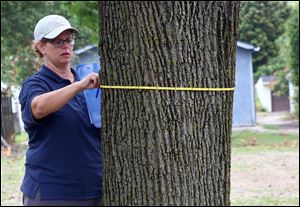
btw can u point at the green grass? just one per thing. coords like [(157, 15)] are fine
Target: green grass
[(12, 168), (250, 142), (253, 142), (270, 126), (21, 137), (266, 201), (12, 171)]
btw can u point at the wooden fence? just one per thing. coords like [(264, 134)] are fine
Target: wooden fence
[(7, 119)]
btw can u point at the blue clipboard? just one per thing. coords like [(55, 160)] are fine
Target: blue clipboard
[(93, 100)]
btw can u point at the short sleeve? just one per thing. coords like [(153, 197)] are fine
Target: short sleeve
[(31, 88)]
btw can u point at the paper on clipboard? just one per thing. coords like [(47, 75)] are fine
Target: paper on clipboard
[(93, 102)]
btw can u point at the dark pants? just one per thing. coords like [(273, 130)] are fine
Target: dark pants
[(28, 201)]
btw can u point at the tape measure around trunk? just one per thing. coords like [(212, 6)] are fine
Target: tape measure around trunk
[(165, 88)]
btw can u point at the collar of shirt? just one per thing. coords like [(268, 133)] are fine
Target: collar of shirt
[(50, 74)]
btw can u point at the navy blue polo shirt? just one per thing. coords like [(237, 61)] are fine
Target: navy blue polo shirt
[(63, 160)]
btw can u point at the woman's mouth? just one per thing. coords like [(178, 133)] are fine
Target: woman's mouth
[(65, 54)]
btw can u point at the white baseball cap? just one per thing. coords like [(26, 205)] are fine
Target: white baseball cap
[(51, 26)]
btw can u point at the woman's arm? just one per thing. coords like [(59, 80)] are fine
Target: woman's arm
[(50, 102)]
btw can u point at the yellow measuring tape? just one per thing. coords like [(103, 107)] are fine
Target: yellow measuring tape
[(165, 88)]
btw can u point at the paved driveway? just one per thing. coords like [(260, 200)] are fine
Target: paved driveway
[(282, 120)]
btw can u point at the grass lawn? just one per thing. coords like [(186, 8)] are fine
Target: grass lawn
[(265, 169), (267, 201), (12, 171), (243, 144), (253, 142)]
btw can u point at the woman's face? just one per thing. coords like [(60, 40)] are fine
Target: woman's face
[(60, 49)]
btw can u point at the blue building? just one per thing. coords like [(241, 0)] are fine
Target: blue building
[(87, 54), (244, 113)]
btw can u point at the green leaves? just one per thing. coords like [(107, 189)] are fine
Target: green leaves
[(261, 23), (18, 19), (84, 15), (293, 43)]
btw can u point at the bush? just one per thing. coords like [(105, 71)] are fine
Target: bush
[(259, 107)]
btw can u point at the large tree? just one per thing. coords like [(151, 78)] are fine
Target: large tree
[(167, 147)]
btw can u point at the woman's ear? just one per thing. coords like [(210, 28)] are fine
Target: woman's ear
[(42, 47)]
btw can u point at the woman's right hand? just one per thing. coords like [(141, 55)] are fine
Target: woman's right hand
[(90, 81)]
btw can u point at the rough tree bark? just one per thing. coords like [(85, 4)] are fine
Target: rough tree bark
[(167, 147)]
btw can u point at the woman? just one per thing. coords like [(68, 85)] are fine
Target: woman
[(63, 161)]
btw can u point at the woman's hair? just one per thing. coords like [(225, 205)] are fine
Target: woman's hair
[(36, 49)]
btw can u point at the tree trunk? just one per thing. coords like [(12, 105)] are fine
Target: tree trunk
[(167, 147)]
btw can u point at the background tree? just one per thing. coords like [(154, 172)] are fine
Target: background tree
[(18, 19), (287, 59), (167, 147), (85, 15), (261, 24), (293, 52), (293, 41)]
